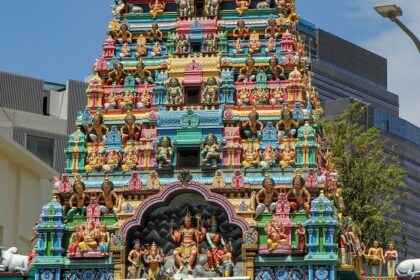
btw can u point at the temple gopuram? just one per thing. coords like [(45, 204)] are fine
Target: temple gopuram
[(199, 155)]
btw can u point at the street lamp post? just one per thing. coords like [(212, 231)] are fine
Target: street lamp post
[(392, 11)]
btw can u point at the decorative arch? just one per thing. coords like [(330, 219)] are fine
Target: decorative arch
[(172, 190)]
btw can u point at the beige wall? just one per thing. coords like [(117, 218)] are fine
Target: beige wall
[(23, 191)]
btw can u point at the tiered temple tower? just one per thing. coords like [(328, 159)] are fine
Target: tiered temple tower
[(200, 151)]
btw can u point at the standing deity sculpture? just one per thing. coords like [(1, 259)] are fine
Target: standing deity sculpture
[(210, 150), (154, 260), (135, 258), (188, 239), (212, 7), (210, 43), (174, 92), (266, 197), (210, 95), (300, 232), (185, 8), (300, 194), (376, 258), (164, 152), (216, 243), (182, 45), (391, 256)]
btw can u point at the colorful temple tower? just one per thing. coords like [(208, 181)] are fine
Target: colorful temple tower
[(199, 154)]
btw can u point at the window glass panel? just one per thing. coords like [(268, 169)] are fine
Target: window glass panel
[(42, 147)]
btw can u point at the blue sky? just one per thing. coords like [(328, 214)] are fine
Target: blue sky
[(60, 40)]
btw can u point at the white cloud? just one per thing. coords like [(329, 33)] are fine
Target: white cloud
[(401, 53)]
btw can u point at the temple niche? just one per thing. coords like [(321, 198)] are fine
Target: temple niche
[(199, 154)]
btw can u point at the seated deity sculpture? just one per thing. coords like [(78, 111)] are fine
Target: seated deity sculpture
[(268, 157), (157, 49), (123, 35), (130, 160), (142, 75), (276, 234), (164, 152), (94, 160), (254, 42), (288, 155), (259, 96), (243, 95), (241, 31), (301, 195), (97, 131), (238, 47), (156, 6), (253, 127), (130, 130), (127, 100), (111, 161), (144, 98), (287, 125), (187, 236), (210, 93), (242, 6), (250, 157), (154, 34), (266, 197), (174, 92), (77, 200), (274, 71), (249, 71), (125, 50), (111, 101), (117, 75), (210, 150), (141, 48), (270, 45), (276, 95), (271, 30), (210, 43), (110, 198)]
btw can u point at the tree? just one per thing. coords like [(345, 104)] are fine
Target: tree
[(371, 180)]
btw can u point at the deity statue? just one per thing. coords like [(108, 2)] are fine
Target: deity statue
[(155, 34), (276, 233), (185, 8), (117, 75), (75, 238), (127, 100), (94, 160), (274, 71), (212, 7), (271, 30), (259, 96), (216, 243), (376, 258), (123, 35), (254, 42), (125, 50), (111, 161), (343, 246), (164, 152), (210, 93), (111, 101), (301, 195), (227, 261), (210, 150), (243, 95), (110, 198), (391, 256), (238, 47), (189, 238), (154, 260), (276, 95), (130, 130), (287, 124), (182, 45), (130, 160), (77, 200), (339, 204), (266, 197), (270, 46), (104, 240), (135, 258), (329, 164), (153, 181), (156, 7), (300, 232), (253, 127), (174, 92), (156, 50), (268, 157), (241, 31), (288, 155), (242, 6), (359, 253), (210, 43), (218, 179), (144, 98), (141, 48), (142, 75), (98, 131), (250, 156), (248, 72)]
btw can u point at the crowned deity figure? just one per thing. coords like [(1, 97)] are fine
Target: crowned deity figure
[(130, 130), (94, 160), (154, 260), (210, 43), (77, 200), (155, 34), (144, 98), (268, 157), (238, 47), (181, 43), (249, 71), (300, 194), (164, 151), (157, 49), (212, 7), (266, 197), (241, 31), (185, 9), (376, 258), (216, 243), (135, 258), (250, 156), (111, 161), (276, 233), (242, 6), (110, 198), (142, 75), (254, 42), (111, 100), (210, 92), (156, 6), (270, 45), (123, 35), (253, 127), (174, 91), (271, 30), (391, 256), (125, 50), (130, 160), (188, 239), (288, 155), (141, 48), (286, 124), (98, 131), (117, 75), (274, 71), (210, 150)]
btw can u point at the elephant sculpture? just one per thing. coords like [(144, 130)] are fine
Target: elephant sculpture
[(11, 261)]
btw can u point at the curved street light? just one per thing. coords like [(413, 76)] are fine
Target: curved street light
[(392, 11)]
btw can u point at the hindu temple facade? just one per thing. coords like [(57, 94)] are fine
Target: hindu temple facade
[(199, 153)]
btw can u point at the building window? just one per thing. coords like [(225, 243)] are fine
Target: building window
[(42, 147), (45, 108), (188, 158)]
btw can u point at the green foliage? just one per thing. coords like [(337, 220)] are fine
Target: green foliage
[(371, 180)]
